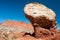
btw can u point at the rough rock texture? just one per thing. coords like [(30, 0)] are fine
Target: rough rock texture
[(27, 37), (10, 30), (40, 15), (43, 20), (43, 26), (57, 34), (43, 33), (21, 26)]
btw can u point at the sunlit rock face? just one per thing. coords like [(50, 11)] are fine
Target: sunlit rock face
[(10, 30), (40, 15), (19, 26), (42, 18)]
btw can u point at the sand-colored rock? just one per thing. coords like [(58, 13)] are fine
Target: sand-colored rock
[(57, 33), (2, 38), (10, 30), (43, 26), (23, 27), (41, 16), (27, 37)]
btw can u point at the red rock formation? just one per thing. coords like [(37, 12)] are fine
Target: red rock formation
[(2, 38), (43, 33), (11, 30), (27, 37), (20, 25), (43, 20), (40, 15)]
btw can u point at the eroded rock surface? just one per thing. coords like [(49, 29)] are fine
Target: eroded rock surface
[(10, 30), (43, 20), (40, 15), (43, 26)]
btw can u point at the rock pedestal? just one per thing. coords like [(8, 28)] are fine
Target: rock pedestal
[(42, 18)]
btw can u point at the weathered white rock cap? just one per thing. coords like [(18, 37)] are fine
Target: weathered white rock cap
[(36, 10)]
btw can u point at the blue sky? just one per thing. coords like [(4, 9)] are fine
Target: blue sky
[(13, 9)]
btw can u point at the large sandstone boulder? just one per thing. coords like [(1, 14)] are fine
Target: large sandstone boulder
[(43, 20), (40, 15)]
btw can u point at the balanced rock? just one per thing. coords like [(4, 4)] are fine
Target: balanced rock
[(42, 18), (40, 15)]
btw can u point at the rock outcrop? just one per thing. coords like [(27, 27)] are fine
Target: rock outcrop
[(10, 30), (40, 15), (23, 27), (43, 20), (27, 37), (42, 27)]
